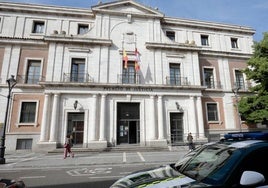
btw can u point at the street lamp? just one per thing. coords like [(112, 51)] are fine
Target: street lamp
[(11, 84), (235, 91)]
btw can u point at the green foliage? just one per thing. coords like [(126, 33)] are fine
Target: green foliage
[(255, 108)]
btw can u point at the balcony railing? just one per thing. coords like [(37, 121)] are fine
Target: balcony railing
[(78, 78), (29, 79), (212, 84), (128, 78), (177, 81)]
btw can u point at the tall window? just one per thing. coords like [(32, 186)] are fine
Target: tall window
[(175, 74), (33, 72), (78, 70), (234, 42), (170, 35), (129, 74), (239, 78), (38, 27), (209, 78), (82, 28), (212, 112), (28, 112), (204, 40)]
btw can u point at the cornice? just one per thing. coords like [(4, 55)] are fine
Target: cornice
[(208, 25), (176, 46), (71, 39), (44, 9)]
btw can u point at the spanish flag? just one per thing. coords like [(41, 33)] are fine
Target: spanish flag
[(137, 60), (125, 58)]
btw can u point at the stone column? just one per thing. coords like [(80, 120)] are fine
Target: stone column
[(94, 119), (152, 124), (102, 118), (201, 128), (44, 124), (160, 118), (192, 115), (54, 118)]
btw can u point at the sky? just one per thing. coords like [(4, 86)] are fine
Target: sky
[(251, 13)]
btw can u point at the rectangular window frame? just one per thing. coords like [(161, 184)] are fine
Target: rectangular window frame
[(217, 117), (79, 77), (129, 75), (213, 81), (27, 62), (171, 35), (240, 81), (84, 26), (175, 79), (234, 43), (34, 123), (34, 25), (204, 40)]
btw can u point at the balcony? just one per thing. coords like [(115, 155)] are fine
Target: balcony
[(212, 84), (177, 81), (77, 78), (30, 79), (128, 78)]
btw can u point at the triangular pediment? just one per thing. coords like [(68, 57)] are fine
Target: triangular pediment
[(127, 7)]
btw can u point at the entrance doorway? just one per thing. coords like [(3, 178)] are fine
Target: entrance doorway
[(128, 124), (76, 127), (176, 127)]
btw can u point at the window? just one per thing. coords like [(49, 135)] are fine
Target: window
[(204, 40), (212, 112), (209, 78), (28, 112), (78, 70), (170, 35), (24, 144), (38, 27), (175, 74), (33, 72), (234, 42), (239, 78), (129, 74), (82, 29)]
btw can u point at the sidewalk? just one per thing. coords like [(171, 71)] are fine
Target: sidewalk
[(28, 159)]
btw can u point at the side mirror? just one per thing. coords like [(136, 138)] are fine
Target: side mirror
[(251, 178)]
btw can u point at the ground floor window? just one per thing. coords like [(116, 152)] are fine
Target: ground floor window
[(176, 127), (24, 144)]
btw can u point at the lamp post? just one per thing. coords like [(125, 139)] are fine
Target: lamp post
[(235, 91), (11, 84)]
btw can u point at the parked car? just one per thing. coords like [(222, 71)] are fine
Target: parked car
[(8, 183), (238, 160)]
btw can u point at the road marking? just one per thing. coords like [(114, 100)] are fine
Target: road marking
[(124, 157), (141, 157), (89, 172), (32, 177)]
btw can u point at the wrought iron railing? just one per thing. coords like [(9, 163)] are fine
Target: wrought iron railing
[(128, 78), (78, 77), (177, 81), (212, 84), (29, 79)]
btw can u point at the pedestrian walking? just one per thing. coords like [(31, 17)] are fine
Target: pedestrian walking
[(190, 142), (67, 147)]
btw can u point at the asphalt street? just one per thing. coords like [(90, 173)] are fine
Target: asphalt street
[(86, 169)]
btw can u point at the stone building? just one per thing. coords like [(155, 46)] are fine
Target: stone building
[(118, 73)]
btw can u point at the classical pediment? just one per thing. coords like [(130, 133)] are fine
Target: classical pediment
[(127, 7)]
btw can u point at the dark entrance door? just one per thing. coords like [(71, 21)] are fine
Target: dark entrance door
[(76, 127), (176, 127), (128, 126)]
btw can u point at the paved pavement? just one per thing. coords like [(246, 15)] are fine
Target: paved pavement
[(29, 159)]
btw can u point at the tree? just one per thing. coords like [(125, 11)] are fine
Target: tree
[(254, 108)]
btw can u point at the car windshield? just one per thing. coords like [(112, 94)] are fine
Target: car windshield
[(205, 162)]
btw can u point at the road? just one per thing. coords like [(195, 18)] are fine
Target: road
[(84, 170)]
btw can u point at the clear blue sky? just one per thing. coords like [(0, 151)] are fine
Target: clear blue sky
[(252, 13)]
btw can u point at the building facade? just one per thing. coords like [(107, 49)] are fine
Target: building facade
[(119, 73)]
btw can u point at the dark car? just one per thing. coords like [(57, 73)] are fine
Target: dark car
[(238, 160)]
